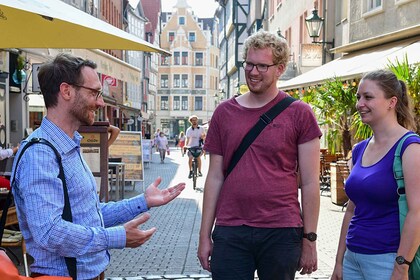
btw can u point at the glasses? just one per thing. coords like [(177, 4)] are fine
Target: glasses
[(248, 66), (97, 92)]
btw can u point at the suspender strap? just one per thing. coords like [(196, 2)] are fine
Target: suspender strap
[(71, 263), (253, 133)]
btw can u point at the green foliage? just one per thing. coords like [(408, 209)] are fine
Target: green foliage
[(410, 74), (361, 130), (334, 105), (20, 62)]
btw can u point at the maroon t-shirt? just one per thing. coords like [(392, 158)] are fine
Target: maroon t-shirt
[(262, 189)]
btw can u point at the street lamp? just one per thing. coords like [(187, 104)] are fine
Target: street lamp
[(314, 25)]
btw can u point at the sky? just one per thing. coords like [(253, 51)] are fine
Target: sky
[(202, 8)]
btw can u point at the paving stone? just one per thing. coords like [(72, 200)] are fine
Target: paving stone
[(153, 277), (174, 276), (173, 248), (200, 276)]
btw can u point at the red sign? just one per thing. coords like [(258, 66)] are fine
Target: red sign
[(111, 81)]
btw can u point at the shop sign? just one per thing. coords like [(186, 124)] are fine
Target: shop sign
[(111, 81), (311, 55)]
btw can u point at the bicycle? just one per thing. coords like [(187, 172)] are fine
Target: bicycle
[(195, 152)]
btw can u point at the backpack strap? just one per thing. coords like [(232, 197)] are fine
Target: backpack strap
[(71, 263), (397, 165)]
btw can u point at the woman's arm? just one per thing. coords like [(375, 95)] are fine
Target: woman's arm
[(410, 236), (113, 134)]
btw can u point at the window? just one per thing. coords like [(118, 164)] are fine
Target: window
[(171, 36), (184, 103), (191, 36), (198, 81), (198, 103), (164, 81), (177, 103), (181, 20), (373, 4), (177, 81), (176, 58), (372, 7), (164, 60), (184, 81), (199, 59), (184, 58), (164, 103)]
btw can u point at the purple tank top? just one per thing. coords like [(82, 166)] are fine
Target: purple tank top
[(374, 228)]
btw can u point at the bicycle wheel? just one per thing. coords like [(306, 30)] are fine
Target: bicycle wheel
[(194, 174)]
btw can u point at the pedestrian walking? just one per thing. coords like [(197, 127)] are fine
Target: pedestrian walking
[(371, 246), (163, 146), (156, 135), (182, 139), (258, 222)]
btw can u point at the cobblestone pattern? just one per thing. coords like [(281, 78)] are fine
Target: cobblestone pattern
[(172, 251)]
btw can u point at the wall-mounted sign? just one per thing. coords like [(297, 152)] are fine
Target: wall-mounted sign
[(91, 138), (311, 55), (35, 82), (111, 81)]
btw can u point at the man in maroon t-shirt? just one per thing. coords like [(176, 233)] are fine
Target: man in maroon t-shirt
[(255, 211)]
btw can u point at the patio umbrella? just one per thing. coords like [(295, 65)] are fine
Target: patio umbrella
[(57, 25)]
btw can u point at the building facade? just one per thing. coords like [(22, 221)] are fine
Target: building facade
[(189, 79), (360, 36)]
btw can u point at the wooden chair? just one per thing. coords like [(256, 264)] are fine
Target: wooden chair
[(15, 239), (324, 177)]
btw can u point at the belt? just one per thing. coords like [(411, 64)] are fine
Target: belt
[(99, 277)]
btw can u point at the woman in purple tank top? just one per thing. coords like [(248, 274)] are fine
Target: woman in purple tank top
[(371, 246)]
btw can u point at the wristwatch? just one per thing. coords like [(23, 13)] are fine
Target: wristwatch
[(400, 260), (311, 236)]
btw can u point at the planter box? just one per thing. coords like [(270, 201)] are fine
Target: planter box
[(339, 173)]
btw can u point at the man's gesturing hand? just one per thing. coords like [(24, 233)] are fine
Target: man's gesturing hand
[(136, 237), (156, 197)]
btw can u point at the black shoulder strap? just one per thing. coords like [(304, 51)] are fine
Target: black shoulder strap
[(253, 133), (67, 215)]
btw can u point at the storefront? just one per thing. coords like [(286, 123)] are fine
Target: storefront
[(50, 26), (355, 64)]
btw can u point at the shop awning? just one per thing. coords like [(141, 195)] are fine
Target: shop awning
[(355, 64), (55, 24)]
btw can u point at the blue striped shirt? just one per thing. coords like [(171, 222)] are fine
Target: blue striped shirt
[(39, 200)]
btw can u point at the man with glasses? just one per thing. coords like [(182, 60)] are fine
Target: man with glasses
[(254, 211), (72, 94)]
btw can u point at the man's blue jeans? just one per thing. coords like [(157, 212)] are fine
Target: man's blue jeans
[(239, 251)]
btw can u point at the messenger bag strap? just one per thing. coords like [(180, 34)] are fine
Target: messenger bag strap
[(253, 133), (71, 263)]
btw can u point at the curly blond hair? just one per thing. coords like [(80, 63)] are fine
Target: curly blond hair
[(264, 39)]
